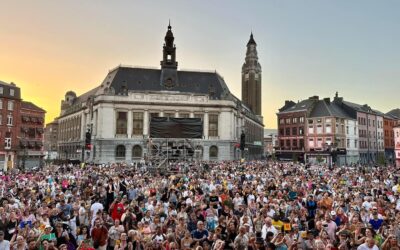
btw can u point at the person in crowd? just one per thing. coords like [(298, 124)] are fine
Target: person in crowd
[(228, 205)]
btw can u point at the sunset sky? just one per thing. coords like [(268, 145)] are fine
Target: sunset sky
[(305, 48)]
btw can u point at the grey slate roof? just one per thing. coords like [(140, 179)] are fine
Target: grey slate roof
[(323, 108), (358, 107), (395, 113), (303, 105), (142, 79)]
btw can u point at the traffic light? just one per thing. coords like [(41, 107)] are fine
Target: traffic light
[(242, 141), (88, 138)]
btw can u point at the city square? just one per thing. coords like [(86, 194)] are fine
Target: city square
[(164, 157)]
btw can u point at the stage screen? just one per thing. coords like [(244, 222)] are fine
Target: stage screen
[(168, 127)]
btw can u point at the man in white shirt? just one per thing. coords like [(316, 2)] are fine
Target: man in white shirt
[(4, 244), (367, 204), (368, 245), (96, 206), (268, 227)]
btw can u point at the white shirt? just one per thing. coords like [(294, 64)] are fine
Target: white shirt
[(96, 207), (266, 229), (365, 247), (5, 245)]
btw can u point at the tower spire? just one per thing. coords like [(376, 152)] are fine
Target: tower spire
[(169, 65), (251, 78)]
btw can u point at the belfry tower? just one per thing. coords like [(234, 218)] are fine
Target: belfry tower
[(169, 65), (251, 78)]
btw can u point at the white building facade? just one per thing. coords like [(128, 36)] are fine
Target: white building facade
[(352, 153), (396, 131), (116, 115)]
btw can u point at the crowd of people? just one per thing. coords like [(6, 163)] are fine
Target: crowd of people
[(228, 205)]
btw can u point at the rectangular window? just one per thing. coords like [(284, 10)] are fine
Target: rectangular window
[(347, 130), (328, 120), (294, 143), (7, 143), (319, 120), (319, 143), (328, 141), (137, 123), (301, 144), (294, 120), (12, 92), (281, 131), (288, 143), (311, 143), (213, 125), (328, 129), (10, 105), (281, 121), (348, 143), (294, 131), (287, 120), (311, 129), (301, 119), (1, 90), (355, 143), (301, 131), (310, 121), (319, 129), (1, 104), (287, 132), (122, 123), (9, 120)]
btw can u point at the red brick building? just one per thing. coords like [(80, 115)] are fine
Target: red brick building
[(31, 141), (10, 102), (291, 129)]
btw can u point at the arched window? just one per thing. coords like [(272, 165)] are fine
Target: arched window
[(213, 152), (137, 151), (120, 152)]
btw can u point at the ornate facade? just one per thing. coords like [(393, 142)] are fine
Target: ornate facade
[(117, 114)]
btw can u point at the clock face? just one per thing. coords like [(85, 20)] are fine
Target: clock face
[(169, 83)]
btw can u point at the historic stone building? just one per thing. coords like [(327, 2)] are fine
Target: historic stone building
[(117, 115)]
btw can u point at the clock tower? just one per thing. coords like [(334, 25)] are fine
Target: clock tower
[(251, 78)]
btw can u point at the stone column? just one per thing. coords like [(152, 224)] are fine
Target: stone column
[(130, 124), (146, 121), (205, 125)]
